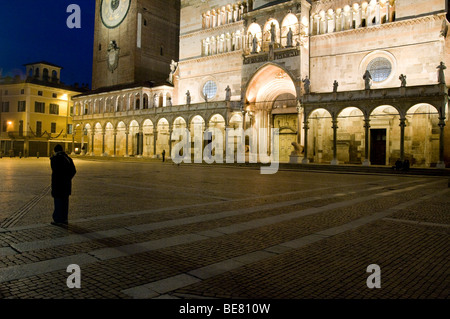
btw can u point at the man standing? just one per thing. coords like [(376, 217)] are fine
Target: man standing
[(63, 170), (164, 155)]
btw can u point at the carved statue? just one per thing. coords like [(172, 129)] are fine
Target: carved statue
[(335, 86), (255, 44), (289, 38), (228, 93), (307, 85), (188, 98), (441, 76), (298, 149), (367, 79), (273, 36), (173, 67), (402, 79)]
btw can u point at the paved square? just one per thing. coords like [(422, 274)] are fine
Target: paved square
[(146, 229)]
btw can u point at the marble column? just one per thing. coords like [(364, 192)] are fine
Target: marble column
[(335, 127), (366, 142), (126, 143), (441, 163), (92, 143), (115, 143), (155, 137), (402, 138), (306, 128), (103, 142)]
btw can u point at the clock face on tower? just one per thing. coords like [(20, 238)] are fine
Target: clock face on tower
[(113, 12)]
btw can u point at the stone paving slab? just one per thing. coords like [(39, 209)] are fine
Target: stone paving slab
[(303, 237)]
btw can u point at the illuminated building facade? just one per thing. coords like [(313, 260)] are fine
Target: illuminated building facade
[(344, 81), (36, 112)]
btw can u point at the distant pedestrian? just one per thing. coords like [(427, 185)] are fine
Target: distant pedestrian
[(164, 155), (63, 170), (406, 165)]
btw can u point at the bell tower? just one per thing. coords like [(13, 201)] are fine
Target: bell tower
[(134, 41)]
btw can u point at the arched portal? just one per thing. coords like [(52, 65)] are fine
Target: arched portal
[(271, 102), (385, 148)]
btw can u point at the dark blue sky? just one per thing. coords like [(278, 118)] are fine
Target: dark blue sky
[(36, 30)]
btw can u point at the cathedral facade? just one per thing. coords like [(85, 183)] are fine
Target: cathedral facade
[(343, 81)]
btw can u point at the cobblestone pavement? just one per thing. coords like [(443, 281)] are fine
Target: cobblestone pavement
[(159, 230)]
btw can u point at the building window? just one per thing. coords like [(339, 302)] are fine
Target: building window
[(71, 111), (210, 89), (4, 126), (6, 92), (38, 128), (21, 106), (380, 69), (53, 127), (54, 95), (39, 107), (54, 109), (40, 93), (5, 106), (69, 128), (22, 91)]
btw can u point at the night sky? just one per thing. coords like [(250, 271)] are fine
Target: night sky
[(36, 30)]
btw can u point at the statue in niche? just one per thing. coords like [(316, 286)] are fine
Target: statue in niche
[(402, 79), (188, 98), (255, 44), (441, 76), (273, 36), (228, 93), (289, 38), (367, 79), (335, 86), (307, 85)]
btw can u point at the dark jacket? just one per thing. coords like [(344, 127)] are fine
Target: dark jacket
[(63, 170)]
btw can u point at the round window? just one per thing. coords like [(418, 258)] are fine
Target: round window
[(380, 69), (210, 89)]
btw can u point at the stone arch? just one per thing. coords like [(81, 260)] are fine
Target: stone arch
[(122, 130), (290, 21), (422, 135), (235, 121), (145, 101), (351, 135), (266, 75), (254, 30), (320, 136), (163, 138)]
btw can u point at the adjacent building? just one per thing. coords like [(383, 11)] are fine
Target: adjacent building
[(344, 81), (36, 112)]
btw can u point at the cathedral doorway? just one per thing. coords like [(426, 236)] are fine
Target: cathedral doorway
[(378, 146), (271, 102)]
